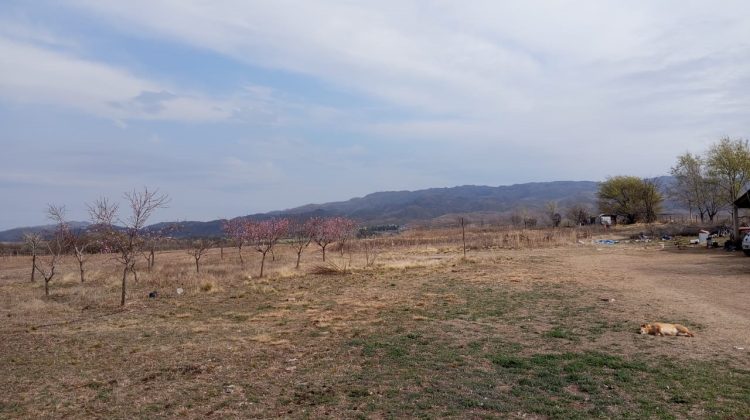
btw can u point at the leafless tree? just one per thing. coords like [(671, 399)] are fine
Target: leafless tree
[(126, 240), (34, 242), (199, 248), (152, 239), (695, 187), (551, 211), (56, 245), (370, 252), (579, 214)]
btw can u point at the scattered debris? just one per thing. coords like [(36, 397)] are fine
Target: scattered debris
[(180, 291), (607, 299), (606, 241), (739, 348), (153, 295)]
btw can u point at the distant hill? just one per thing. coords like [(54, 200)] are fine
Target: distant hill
[(16, 235), (404, 207)]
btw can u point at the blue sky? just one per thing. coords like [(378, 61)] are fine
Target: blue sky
[(236, 107)]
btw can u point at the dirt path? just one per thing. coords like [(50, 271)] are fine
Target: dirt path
[(709, 290)]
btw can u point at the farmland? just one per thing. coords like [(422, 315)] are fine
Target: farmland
[(534, 324)]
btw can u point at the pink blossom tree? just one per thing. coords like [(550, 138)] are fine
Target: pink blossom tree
[(301, 234), (346, 228), (331, 229), (236, 231), (265, 235), (124, 237)]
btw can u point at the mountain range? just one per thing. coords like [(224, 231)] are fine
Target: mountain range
[(409, 207)]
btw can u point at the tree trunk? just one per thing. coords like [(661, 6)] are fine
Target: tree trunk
[(197, 265), (80, 268), (46, 287), (239, 250), (262, 263), (221, 249), (33, 266), (299, 255), (324, 253), (736, 222), (151, 260), (124, 278)]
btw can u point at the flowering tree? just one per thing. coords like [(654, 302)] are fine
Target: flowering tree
[(126, 240), (236, 231), (301, 234), (265, 235), (331, 229), (346, 228)]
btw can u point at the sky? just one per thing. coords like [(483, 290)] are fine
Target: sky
[(238, 107)]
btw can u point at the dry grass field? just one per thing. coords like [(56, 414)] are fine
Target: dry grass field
[(534, 324)]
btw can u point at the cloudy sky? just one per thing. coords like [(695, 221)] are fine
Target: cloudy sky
[(235, 107)]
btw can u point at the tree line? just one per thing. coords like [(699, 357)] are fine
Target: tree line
[(706, 184), (125, 237)]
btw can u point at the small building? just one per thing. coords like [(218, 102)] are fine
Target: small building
[(605, 219)]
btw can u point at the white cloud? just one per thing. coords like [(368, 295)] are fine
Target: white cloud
[(36, 74), (480, 60)]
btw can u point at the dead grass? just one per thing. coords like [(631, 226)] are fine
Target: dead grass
[(516, 331)]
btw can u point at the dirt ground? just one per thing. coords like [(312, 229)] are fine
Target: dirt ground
[(709, 289), (527, 333)]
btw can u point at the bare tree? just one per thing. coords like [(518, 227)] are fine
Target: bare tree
[(34, 242), (265, 235), (56, 246), (80, 242), (152, 239), (371, 252), (126, 241), (551, 211), (695, 187), (198, 249), (579, 214)]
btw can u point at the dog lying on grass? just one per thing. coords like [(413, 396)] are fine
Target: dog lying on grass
[(662, 329)]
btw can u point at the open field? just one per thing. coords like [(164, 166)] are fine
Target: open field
[(510, 331)]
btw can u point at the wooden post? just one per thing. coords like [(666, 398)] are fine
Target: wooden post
[(463, 235)]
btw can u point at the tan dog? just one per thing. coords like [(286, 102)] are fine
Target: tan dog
[(662, 328)]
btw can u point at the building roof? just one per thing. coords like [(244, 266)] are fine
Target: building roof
[(744, 201)]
